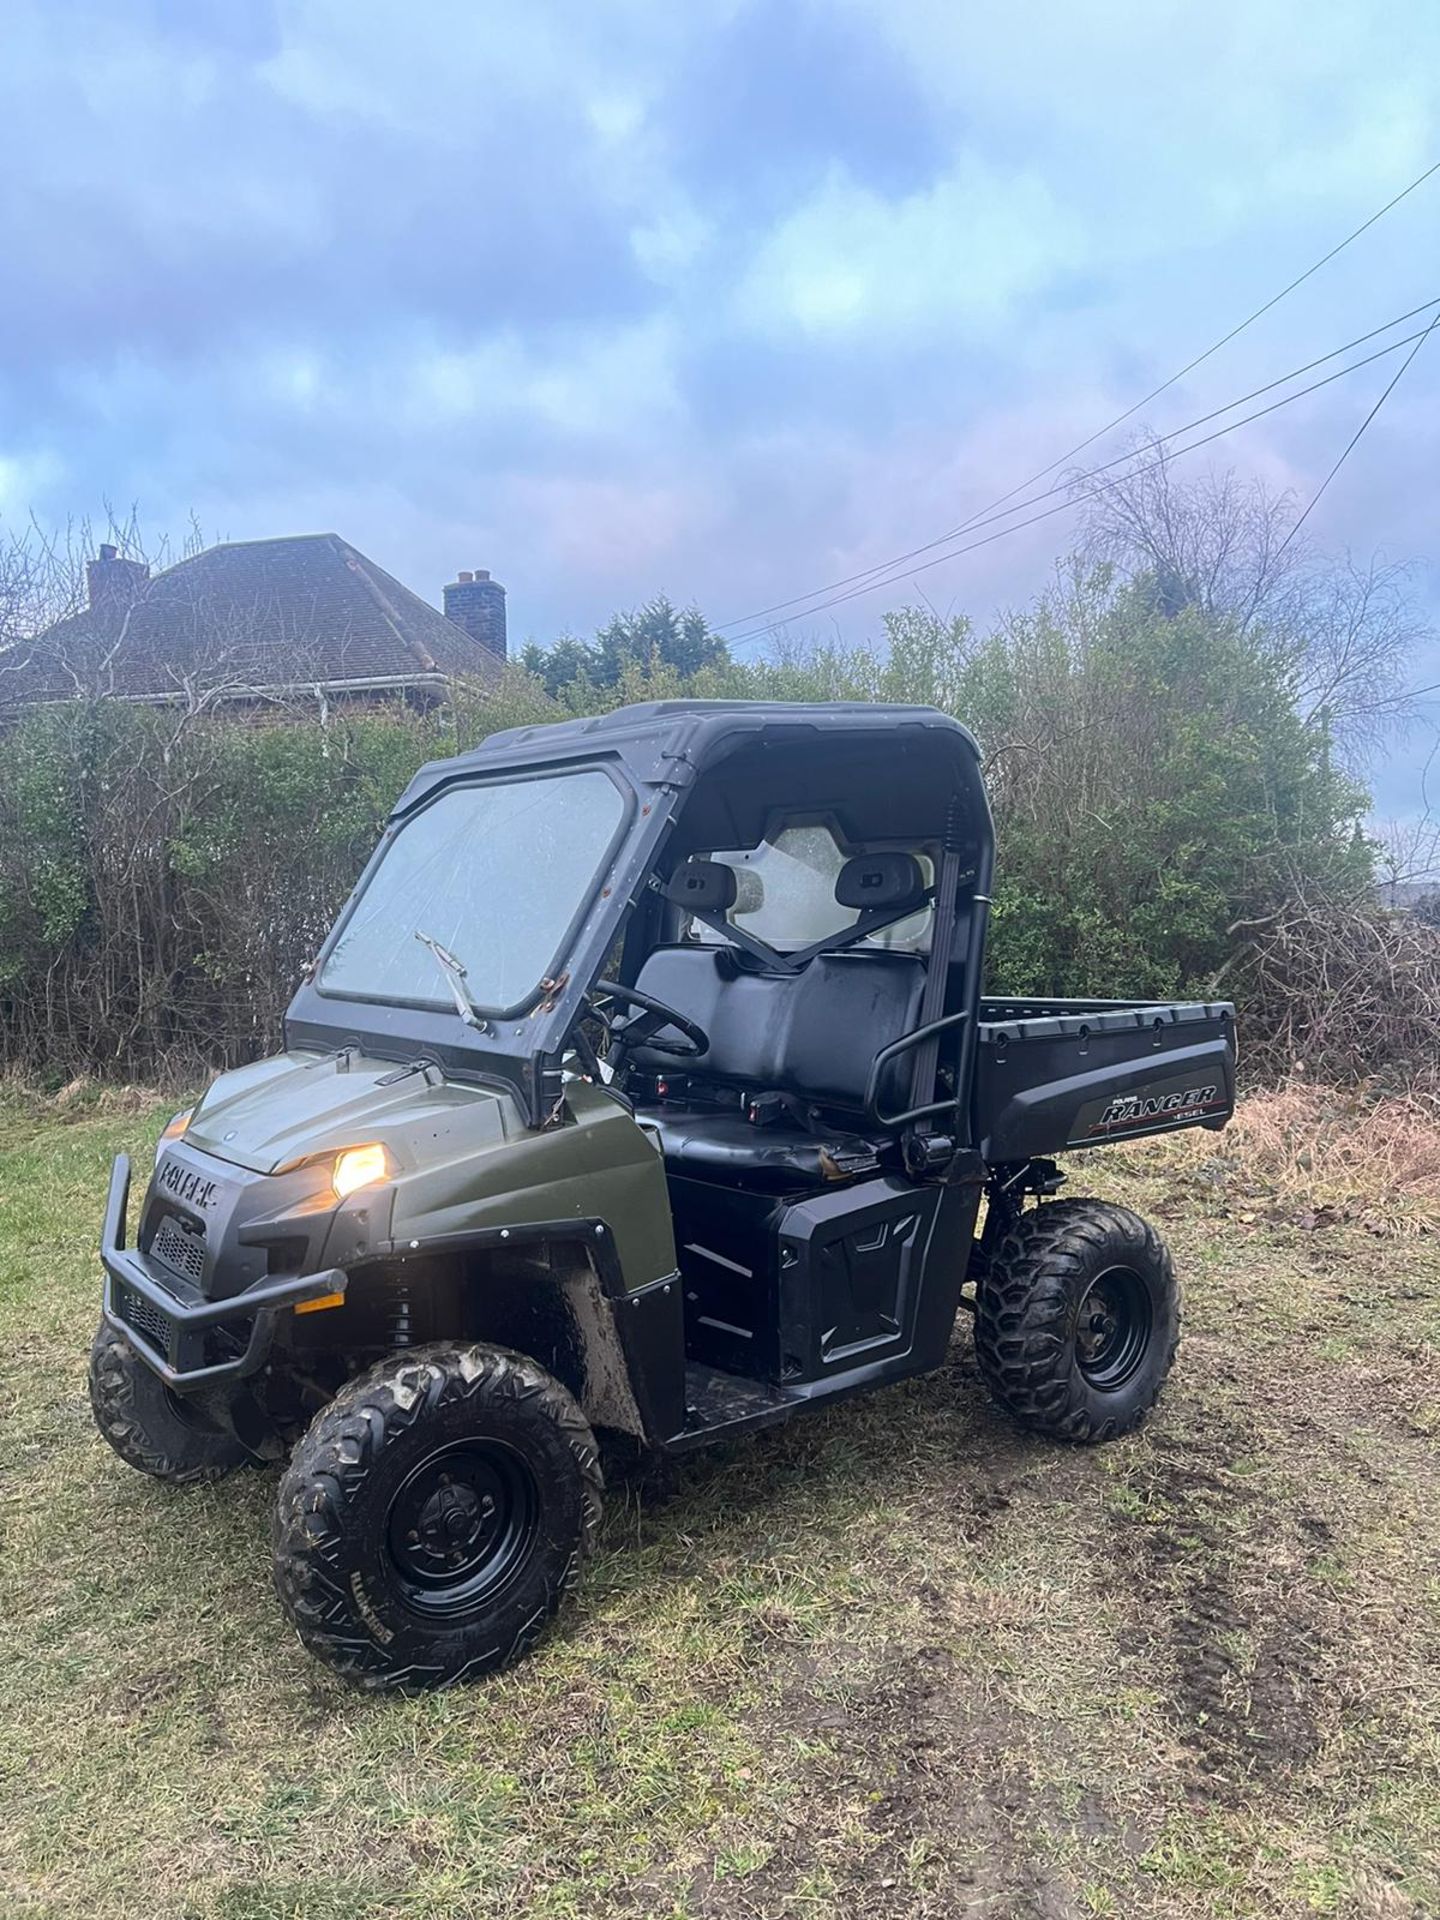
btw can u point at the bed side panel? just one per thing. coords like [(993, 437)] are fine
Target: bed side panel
[(1069, 1077)]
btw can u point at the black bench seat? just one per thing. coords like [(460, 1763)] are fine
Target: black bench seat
[(711, 1144), (809, 1036)]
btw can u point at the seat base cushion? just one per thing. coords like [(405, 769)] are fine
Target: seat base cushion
[(707, 1144)]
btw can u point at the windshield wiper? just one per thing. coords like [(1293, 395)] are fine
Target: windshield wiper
[(454, 972)]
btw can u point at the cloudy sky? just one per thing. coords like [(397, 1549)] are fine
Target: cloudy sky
[(728, 299)]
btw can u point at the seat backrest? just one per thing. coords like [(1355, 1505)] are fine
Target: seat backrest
[(813, 1033)]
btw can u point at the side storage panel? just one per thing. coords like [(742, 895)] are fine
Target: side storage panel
[(870, 1274), (1054, 1076), (801, 1291)]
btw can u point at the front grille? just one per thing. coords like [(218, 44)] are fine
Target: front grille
[(179, 1249), (136, 1311)]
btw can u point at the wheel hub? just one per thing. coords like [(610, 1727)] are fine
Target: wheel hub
[(1112, 1328), (460, 1526), (451, 1525)]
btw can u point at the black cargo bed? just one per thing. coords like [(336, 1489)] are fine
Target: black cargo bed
[(1054, 1075)]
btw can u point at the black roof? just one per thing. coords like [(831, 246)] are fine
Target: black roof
[(672, 740), (249, 616), (683, 719)]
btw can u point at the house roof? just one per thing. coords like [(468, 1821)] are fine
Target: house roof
[(249, 616)]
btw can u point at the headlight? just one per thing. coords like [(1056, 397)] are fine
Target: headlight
[(359, 1167), (174, 1127)]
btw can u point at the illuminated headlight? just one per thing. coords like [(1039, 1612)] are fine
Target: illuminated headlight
[(359, 1167), (174, 1128)]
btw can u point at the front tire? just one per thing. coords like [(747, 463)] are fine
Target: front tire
[(148, 1425), (1077, 1319), (436, 1516)]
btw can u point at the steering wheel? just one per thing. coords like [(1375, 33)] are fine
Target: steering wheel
[(642, 1027)]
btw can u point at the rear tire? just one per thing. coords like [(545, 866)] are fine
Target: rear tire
[(436, 1516), (147, 1424), (1077, 1320)]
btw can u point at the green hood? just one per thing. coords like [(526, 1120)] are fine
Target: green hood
[(269, 1115)]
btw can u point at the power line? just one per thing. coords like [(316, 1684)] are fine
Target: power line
[(1355, 438), (1067, 487), (779, 606), (1394, 700), (1171, 453)]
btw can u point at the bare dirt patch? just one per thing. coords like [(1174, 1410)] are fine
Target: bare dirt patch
[(1218, 1596), (942, 1818)]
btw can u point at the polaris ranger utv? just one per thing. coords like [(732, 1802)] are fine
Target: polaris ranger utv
[(645, 1084)]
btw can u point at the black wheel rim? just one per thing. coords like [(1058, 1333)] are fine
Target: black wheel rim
[(461, 1526), (1112, 1328)]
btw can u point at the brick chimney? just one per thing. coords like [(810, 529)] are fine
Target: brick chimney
[(477, 603), (111, 579)]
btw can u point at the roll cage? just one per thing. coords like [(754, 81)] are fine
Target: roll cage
[(701, 776)]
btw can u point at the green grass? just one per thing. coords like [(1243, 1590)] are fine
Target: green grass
[(897, 1659)]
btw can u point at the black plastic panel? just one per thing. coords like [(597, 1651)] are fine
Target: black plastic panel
[(1054, 1076), (726, 1245), (790, 1292), (869, 1273)]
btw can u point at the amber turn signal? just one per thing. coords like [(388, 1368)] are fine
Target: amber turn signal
[(173, 1129)]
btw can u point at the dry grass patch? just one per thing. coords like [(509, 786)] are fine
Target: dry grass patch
[(1358, 1155), (24, 1102)]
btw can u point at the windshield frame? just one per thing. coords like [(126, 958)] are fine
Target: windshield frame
[(545, 986)]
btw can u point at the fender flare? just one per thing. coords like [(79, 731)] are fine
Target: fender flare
[(632, 1338)]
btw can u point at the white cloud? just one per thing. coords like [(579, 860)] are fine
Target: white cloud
[(617, 114), (965, 252), (26, 481), (618, 533), (615, 382), (576, 387), (435, 72)]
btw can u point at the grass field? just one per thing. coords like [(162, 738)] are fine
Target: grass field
[(898, 1659)]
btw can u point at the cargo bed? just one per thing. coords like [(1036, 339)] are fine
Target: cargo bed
[(1055, 1075)]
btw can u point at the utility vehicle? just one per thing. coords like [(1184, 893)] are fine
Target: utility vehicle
[(644, 1085)]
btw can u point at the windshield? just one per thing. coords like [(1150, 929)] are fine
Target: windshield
[(496, 874)]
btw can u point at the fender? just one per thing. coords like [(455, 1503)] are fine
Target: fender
[(631, 1341)]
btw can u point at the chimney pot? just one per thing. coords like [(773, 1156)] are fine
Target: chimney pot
[(477, 603), (112, 580)]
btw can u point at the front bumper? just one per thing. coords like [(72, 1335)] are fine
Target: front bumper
[(171, 1324)]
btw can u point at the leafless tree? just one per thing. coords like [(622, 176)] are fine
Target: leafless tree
[(1407, 860), (264, 651), (1347, 629), (42, 580), (44, 630), (1343, 990)]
